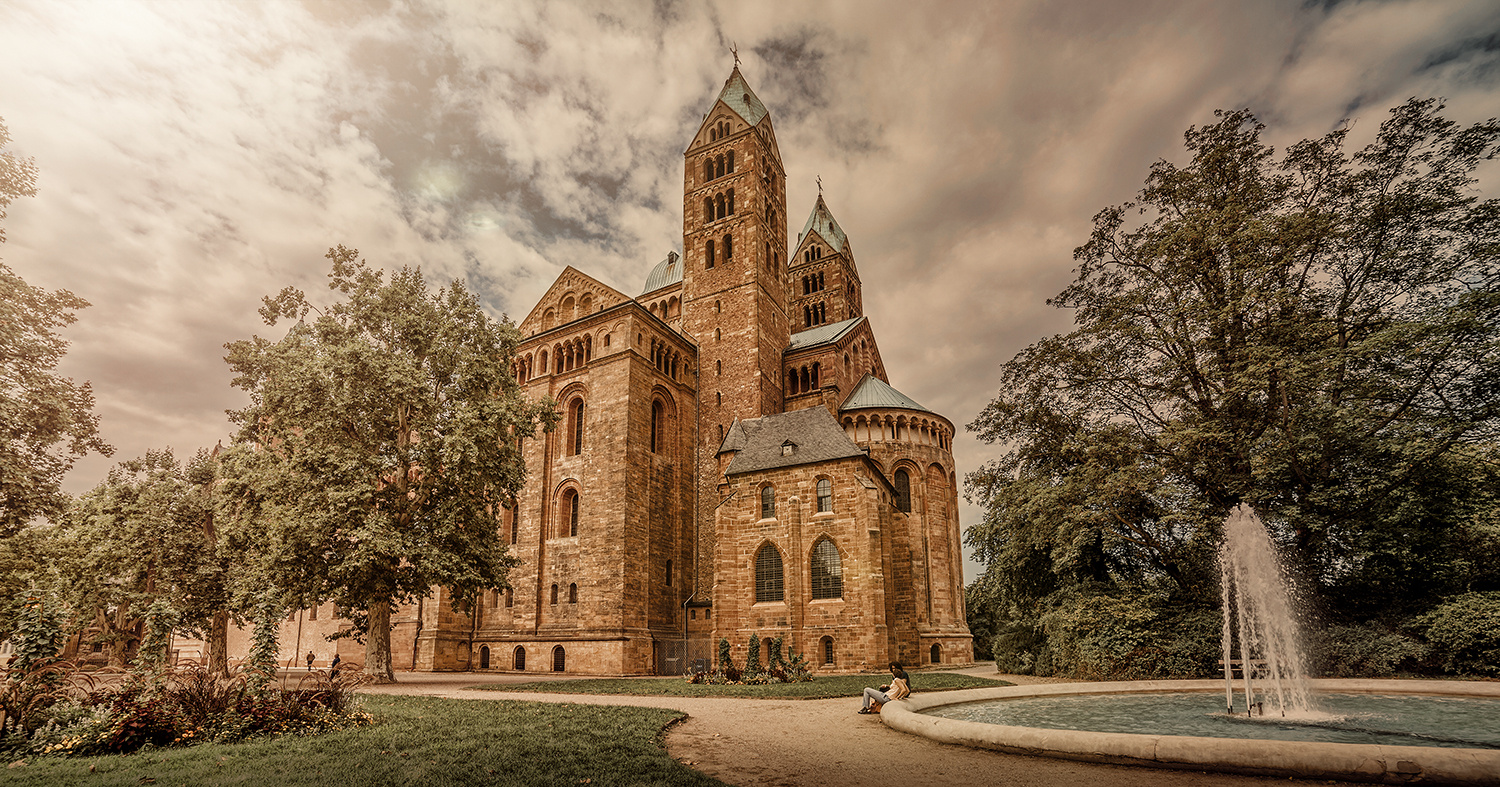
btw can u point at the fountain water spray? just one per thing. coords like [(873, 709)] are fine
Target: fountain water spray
[(1258, 612)]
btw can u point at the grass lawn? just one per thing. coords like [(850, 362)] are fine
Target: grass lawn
[(416, 741), (816, 689)]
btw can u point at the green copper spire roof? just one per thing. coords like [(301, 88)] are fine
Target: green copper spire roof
[(875, 392), (822, 220), (741, 99)]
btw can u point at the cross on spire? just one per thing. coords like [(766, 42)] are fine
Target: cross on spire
[(735, 50), (820, 185)]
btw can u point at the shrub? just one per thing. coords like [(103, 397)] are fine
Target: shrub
[(1464, 633), (752, 658), (1362, 651)]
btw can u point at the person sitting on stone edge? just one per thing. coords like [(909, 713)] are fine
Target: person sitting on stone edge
[(897, 689)]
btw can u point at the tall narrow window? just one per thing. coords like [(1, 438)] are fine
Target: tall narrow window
[(768, 580), (708, 171), (730, 168), (708, 255), (575, 427), (657, 417), (513, 516), (827, 643), (825, 495), (554, 595), (573, 593), (559, 659), (573, 514), (669, 573), (767, 501), (827, 571), (520, 659), (903, 491), (510, 597), (731, 202), (728, 247)]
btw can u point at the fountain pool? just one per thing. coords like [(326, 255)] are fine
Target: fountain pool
[(1454, 722)]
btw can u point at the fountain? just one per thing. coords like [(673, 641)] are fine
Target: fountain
[(1449, 731), (1255, 597)]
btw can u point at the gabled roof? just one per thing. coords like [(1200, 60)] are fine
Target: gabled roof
[(571, 279), (740, 98), (875, 392), (822, 222), (823, 334), (811, 434), (668, 271)]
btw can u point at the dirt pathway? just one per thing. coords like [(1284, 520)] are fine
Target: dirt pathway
[(789, 743)]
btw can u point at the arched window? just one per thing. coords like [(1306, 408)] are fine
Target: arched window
[(708, 208), (708, 255), (719, 207), (572, 592), (510, 597), (519, 659), (827, 570), (826, 645), (730, 167), (791, 381), (554, 594), (544, 361), (515, 523), (718, 368), (708, 170), (658, 422), (825, 496), (731, 202), (728, 246), (719, 167), (937, 654), (559, 659), (814, 378), (767, 501), (572, 513), (768, 584), (484, 657), (903, 491), (575, 427)]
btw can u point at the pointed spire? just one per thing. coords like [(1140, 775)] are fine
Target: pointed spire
[(740, 98), (822, 221)]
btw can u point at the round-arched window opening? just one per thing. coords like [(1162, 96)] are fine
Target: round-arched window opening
[(559, 659), (484, 657), (937, 654), (519, 659)]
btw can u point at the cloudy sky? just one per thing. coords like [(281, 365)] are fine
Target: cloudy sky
[(196, 156)]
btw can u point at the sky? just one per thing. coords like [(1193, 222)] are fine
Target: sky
[(196, 156)]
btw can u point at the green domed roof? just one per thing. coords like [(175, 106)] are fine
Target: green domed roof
[(666, 272), (875, 392)]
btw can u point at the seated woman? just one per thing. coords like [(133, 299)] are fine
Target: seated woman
[(897, 689)]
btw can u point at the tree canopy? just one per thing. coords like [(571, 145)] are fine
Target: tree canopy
[(46, 420), (1313, 333), (380, 444)]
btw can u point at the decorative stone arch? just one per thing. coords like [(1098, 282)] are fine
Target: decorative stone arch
[(559, 659), (585, 304), (901, 480), (662, 434), (567, 510), (826, 652), (768, 573), (549, 319), (567, 308), (822, 482), (518, 658), (825, 565), (484, 656)]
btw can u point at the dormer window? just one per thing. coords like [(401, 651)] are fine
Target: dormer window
[(788, 448)]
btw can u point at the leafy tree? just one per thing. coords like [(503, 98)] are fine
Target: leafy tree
[(385, 435), (131, 542), (46, 420), (1315, 334)]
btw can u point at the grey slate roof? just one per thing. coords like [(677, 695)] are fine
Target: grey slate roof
[(875, 392), (821, 219), (822, 334), (741, 99), (668, 271), (815, 435)]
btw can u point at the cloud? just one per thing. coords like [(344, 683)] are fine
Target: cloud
[(196, 156)]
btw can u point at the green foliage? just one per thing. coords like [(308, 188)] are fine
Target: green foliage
[(265, 648), (818, 687), (160, 620), (1367, 650), (1464, 632), (379, 447), (46, 420), (37, 637), (178, 708), (752, 659), (1317, 334)]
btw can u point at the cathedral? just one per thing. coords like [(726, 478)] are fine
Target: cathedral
[(731, 460)]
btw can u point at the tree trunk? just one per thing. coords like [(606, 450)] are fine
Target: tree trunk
[(218, 645), (378, 641)]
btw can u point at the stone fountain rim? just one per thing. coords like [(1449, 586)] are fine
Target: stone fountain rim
[(1309, 759)]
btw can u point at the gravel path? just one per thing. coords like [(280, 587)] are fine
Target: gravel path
[(824, 742)]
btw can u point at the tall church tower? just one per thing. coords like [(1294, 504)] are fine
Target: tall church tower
[(734, 252)]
